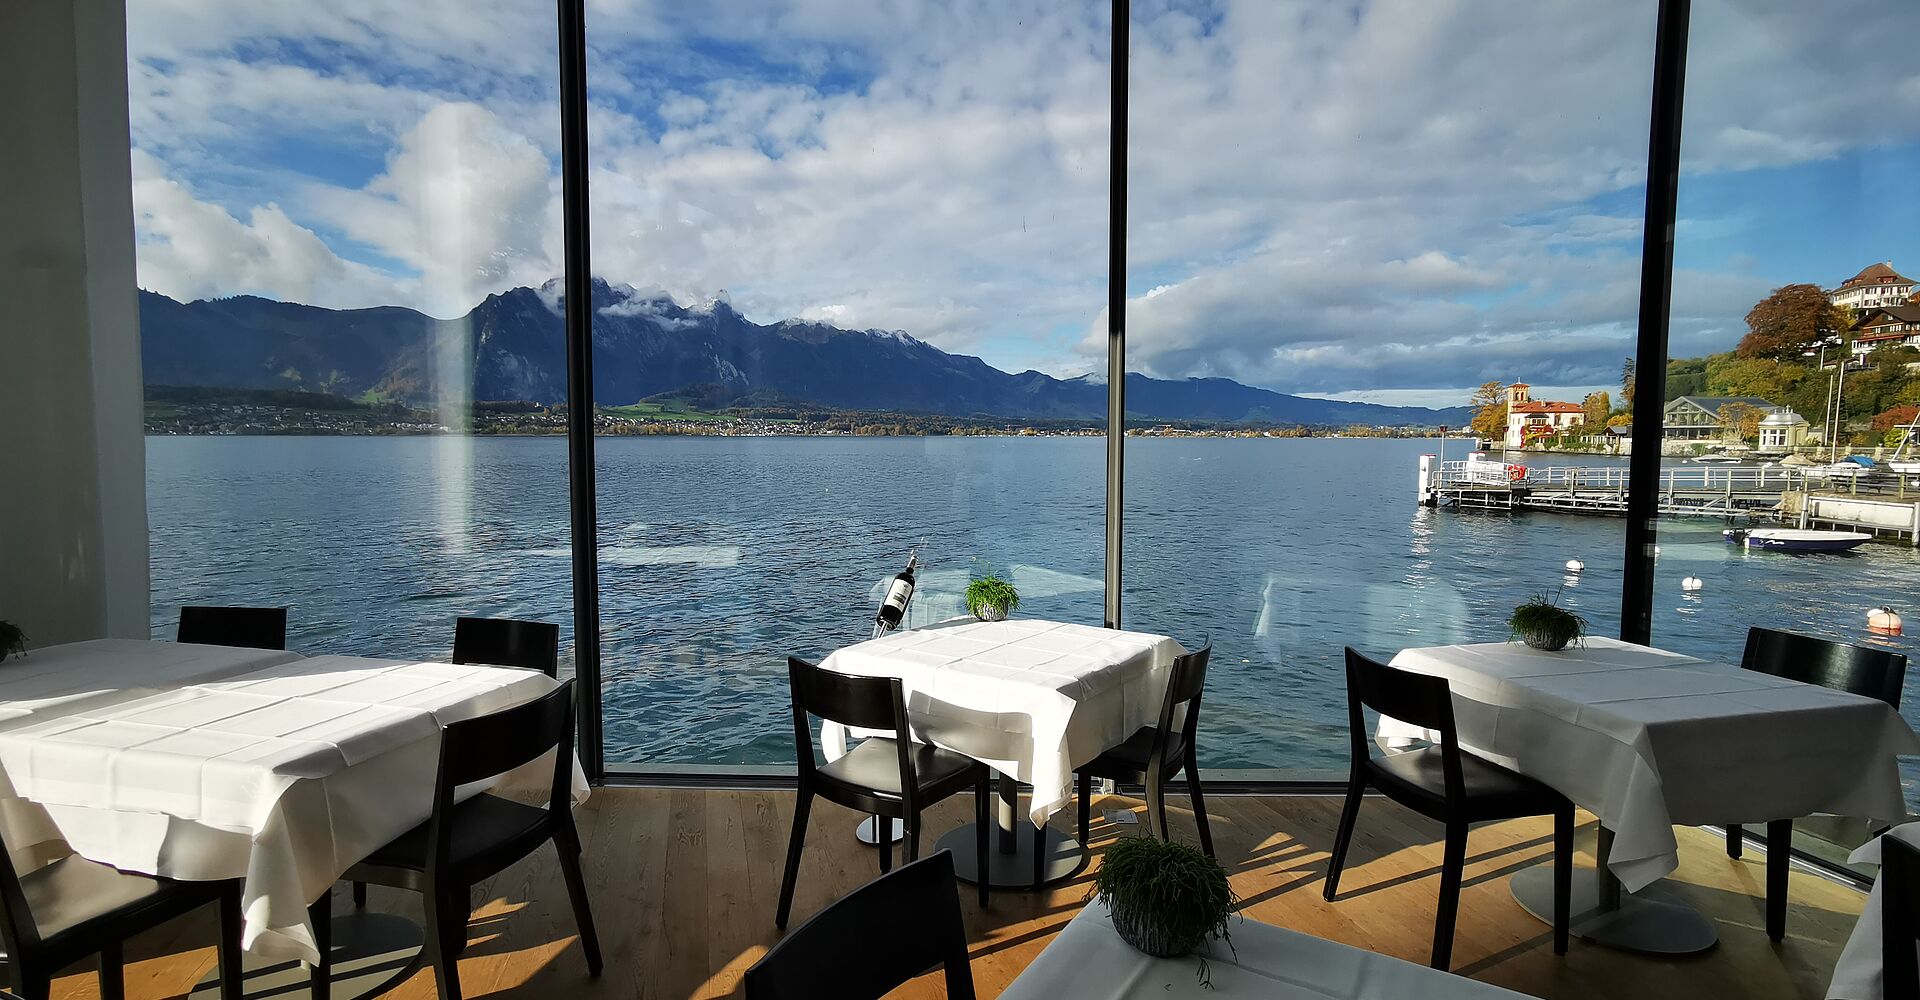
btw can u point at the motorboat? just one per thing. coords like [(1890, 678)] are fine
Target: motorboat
[(1795, 539), (1851, 467), (1716, 458)]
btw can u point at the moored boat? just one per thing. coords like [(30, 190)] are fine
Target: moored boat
[(1795, 539), (1716, 458)]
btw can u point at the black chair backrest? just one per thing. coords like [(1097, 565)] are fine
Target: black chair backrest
[(1185, 685), (854, 701), (17, 928), (506, 642), (876, 938), (1863, 670), (493, 744), (253, 628), (1417, 699), (1899, 884)]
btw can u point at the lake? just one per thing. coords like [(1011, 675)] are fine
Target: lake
[(722, 556)]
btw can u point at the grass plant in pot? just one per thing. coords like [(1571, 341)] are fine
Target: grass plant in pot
[(1165, 897), (1543, 624), (991, 599)]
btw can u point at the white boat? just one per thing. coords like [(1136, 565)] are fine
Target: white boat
[(1716, 458), (1795, 539), (1482, 470), (1848, 468)]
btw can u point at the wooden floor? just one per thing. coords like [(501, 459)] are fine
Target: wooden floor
[(684, 884)]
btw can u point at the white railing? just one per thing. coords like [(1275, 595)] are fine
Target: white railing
[(1696, 479)]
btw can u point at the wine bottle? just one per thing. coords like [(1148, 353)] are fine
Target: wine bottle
[(899, 592)]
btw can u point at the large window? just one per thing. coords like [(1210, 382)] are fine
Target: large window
[(1353, 220), (836, 249), (346, 223), (1793, 253)]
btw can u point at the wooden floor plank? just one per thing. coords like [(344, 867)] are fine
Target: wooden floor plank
[(684, 884)]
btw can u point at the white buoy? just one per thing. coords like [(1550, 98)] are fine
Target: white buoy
[(1575, 566), (1691, 584), (1883, 621)]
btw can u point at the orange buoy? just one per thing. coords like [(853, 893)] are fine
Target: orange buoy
[(1883, 621)]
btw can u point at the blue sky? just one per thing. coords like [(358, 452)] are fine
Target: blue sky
[(1385, 200)]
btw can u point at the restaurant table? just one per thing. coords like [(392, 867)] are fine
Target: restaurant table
[(282, 776), (1089, 960), (1646, 739), (1030, 698), (1859, 974)]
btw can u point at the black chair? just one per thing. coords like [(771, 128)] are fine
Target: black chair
[(252, 628), (56, 915), (1155, 754), (1862, 670), (1444, 783), (885, 777), (463, 843), (505, 642), (880, 936), (1899, 893)]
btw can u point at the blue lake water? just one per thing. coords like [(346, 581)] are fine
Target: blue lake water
[(721, 556)]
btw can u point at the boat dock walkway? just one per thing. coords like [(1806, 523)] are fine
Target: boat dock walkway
[(1885, 506)]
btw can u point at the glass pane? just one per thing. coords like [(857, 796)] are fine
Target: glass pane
[(829, 244), (1345, 223), (353, 384), (1791, 369)]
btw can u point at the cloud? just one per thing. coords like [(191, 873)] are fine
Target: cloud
[(1395, 194)]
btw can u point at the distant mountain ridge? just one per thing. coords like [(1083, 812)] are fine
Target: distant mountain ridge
[(510, 346)]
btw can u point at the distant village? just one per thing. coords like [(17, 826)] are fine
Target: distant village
[(1859, 368)]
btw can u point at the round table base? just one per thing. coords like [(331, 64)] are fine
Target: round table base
[(372, 953), (864, 832), (1652, 921), (1065, 857)]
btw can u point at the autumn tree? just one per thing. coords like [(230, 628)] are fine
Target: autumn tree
[(1789, 321), (1895, 417), (1598, 405), (1489, 403), (1741, 421)]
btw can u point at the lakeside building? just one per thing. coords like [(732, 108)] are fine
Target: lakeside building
[(1530, 419), (1782, 430), (1697, 418), (1886, 326), (1875, 286)]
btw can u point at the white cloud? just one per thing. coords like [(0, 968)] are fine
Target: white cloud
[(1332, 197)]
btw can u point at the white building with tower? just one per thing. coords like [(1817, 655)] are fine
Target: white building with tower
[(1529, 419)]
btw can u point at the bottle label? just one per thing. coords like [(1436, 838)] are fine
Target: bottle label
[(898, 595)]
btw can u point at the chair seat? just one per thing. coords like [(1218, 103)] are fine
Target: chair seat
[(874, 767), (1491, 791), (1128, 760), (481, 825), (73, 892)]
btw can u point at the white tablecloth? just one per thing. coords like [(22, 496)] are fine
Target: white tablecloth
[(1647, 739), (48, 682), (1089, 960), (1858, 974), (283, 776), (1030, 698)]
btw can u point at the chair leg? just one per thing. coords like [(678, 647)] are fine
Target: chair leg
[(113, 972), (1086, 805), (34, 984), (801, 806), (577, 892), (1199, 805), (442, 926), (1039, 857), (232, 932), (320, 915), (1157, 798), (1452, 866), (359, 895), (1779, 864), (882, 826), (1343, 837), (1736, 840), (982, 825), (910, 839), (1562, 877)]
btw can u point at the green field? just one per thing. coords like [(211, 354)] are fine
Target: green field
[(668, 410)]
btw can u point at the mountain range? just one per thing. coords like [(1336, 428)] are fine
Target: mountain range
[(511, 346)]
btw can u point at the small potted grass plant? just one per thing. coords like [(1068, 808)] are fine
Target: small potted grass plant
[(12, 640), (1166, 897), (1543, 624), (991, 599)]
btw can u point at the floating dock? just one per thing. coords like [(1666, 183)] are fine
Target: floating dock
[(1886, 506)]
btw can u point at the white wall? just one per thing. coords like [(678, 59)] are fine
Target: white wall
[(73, 523)]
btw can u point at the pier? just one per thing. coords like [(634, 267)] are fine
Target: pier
[(1886, 505)]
